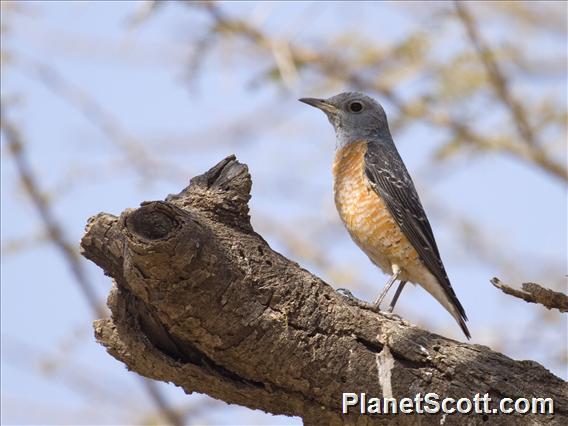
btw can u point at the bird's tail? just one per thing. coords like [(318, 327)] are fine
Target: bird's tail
[(449, 301)]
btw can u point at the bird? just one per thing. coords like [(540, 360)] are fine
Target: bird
[(378, 203)]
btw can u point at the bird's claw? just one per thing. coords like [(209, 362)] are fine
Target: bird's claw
[(391, 315), (366, 305), (346, 293), (354, 300)]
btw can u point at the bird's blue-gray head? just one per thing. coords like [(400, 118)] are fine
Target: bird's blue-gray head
[(354, 116)]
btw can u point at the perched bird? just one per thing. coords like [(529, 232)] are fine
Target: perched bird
[(378, 203)]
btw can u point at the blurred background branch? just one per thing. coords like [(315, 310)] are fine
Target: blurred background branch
[(500, 85), (41, 203), (332, 66), (69, 252)]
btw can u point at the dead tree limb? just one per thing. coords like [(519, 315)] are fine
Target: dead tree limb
[(199, 299), (534, 293)]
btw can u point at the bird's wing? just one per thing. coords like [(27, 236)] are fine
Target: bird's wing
[(389, 178)]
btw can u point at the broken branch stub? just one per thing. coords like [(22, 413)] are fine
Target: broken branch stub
[(534, 293), (201, 300)]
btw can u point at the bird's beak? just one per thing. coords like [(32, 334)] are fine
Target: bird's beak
[(322, 104)]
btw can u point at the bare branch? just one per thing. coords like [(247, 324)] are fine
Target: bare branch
[(201, 300), (54, 230), (534, 293), (142, 161), (334, 66), (496, 76), (59, 239), (533, 150)]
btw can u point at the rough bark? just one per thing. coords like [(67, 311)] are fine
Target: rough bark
[(534, 293), (199, 299)]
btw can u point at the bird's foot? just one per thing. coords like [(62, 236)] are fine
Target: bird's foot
[(354, 300), (346, 293), (366, 305), (390, 315)]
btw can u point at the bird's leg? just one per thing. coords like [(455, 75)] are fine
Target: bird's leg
[(396, 296), (388, 285)]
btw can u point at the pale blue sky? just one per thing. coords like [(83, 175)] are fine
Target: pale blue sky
[(137, 75)]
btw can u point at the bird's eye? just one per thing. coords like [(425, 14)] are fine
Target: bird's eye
[(355, 106)]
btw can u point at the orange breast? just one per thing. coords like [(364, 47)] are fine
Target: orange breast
[(365, 214)]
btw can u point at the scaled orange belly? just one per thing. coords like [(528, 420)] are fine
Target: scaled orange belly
[(367, 218)]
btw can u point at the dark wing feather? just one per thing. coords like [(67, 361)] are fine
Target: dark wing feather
[(390, 179)]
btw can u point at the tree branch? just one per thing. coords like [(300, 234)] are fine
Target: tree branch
[(201, 300), (532, 150), (57, 236), (332, 65), (534, 293), (496, 77)]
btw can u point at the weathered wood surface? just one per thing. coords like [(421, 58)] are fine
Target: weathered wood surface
[(199, 299)]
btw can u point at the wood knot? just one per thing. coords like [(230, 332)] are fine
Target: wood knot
[(152, 221)]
